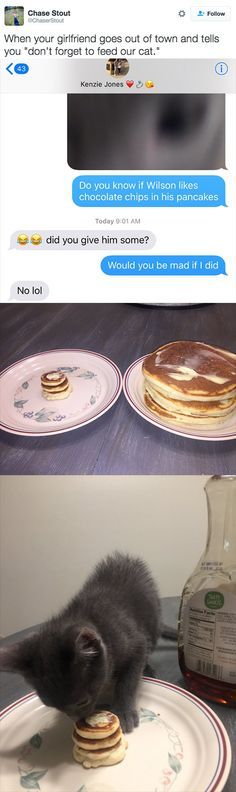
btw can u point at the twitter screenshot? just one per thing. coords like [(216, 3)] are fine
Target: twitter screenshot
[(118, 395)]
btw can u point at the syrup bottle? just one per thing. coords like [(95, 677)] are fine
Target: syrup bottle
[(207, 616)]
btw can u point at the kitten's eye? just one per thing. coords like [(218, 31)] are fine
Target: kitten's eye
[(172, 122), (84, 702), (178, 118)]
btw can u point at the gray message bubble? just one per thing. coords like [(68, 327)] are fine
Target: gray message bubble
[(83, 240), (29, 290)]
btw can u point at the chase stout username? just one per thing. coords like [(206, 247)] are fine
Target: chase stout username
[(39, 16)]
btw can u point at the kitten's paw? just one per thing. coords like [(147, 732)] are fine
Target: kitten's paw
[(128, 719)]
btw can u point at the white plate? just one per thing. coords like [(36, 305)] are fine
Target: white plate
[(134, 393), (180, 745), (96, 385), (169, 305)]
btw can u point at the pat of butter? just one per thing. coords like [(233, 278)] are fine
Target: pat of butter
[(54, 376), (189, 374), (101, 718)]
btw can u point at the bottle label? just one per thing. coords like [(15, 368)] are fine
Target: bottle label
[(209, 634)]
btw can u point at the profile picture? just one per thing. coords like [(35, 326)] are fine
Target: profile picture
[(14, 15), (117, 67)]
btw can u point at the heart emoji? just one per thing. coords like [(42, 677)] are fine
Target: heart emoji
[(129, 83)]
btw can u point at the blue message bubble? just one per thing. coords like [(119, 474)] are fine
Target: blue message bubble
[(163, 265), (155, 191)]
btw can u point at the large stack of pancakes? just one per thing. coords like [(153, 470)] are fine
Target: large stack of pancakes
[(55, 385), (187, 382), (98, 740)]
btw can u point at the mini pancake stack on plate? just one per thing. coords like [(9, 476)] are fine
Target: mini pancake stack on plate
[(55, 385), (188, 382), (99, 740)]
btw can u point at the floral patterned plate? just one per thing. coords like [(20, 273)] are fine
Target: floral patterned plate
[(134, 393), (96, 385), (180, 745)]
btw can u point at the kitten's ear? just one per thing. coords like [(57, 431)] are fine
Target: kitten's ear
[(88, 643), (8, 658), (18, 658)]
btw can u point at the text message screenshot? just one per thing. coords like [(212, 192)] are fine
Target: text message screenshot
[(118, 153)]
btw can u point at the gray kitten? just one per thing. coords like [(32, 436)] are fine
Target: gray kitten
[(146, 132), (93, 654)]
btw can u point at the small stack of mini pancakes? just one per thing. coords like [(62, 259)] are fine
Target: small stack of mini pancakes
[(55, 385), (99, 740), (187, 382)]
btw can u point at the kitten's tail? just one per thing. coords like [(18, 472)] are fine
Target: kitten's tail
[(170, 633)]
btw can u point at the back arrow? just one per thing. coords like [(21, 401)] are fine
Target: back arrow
[(8, 68)]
